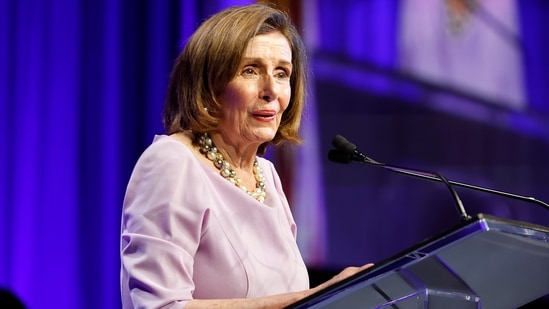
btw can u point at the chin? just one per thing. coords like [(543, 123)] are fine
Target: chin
[(265, 136)]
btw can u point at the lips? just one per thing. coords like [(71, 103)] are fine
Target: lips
[(264, 114)]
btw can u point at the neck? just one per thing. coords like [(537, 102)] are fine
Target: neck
[(209, 148), (240, 156)]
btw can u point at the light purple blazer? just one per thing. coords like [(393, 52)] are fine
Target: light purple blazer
[(189, 233)]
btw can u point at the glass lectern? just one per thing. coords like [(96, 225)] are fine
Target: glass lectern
[(485, 262)]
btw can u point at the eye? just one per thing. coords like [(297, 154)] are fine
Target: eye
[(282, 74), (249, 70)]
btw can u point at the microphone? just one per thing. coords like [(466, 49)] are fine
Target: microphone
[(349, 149), (347, 152), (346, 148)]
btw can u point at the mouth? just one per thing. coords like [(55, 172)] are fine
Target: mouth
[(264, 115)]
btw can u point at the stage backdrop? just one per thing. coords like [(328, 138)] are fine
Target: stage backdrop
[(81, 91)]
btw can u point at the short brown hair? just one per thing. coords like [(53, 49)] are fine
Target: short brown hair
[(210, 61)]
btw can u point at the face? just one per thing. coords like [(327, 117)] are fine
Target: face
[(254, 100)]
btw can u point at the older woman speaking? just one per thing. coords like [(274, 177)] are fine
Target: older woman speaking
[(205, 221)]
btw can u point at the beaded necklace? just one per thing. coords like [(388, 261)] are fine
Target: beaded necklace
[(211, 152)]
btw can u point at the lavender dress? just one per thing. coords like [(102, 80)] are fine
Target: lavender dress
[(189, 233)]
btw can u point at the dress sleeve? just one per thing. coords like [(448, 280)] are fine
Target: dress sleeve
[(161, 228)]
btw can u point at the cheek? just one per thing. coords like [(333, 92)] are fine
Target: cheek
[(285, 102), (233, 98)]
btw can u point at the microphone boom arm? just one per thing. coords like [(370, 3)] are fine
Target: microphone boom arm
[(430, 176), (346, 152)]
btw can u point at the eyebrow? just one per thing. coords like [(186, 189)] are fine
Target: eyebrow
[(255, 59)]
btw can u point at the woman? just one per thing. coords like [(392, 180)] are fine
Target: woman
[(205, 220)]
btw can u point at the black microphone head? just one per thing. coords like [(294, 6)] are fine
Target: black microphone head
[(342, 144), (338, 156)]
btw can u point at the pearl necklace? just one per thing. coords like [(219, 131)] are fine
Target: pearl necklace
[(211, 152)]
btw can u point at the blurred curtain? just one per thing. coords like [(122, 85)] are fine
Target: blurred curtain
[(82, 85), (534, 22)]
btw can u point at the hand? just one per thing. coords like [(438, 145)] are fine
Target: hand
[(274, 301), (345, 273)]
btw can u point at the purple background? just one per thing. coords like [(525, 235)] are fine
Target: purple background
[(81, 91)]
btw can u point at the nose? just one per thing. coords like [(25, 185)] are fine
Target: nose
[(269, 89)]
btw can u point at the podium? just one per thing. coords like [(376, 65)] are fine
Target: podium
[(484, 262)]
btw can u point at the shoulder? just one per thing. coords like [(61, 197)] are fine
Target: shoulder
[(166, 150), (167, 145), (165, 158), (162, 175)]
